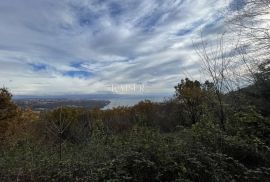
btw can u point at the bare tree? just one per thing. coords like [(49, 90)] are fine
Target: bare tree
[(251, 23), (230, 65), (57, 127), (218, 63), (252, 19)]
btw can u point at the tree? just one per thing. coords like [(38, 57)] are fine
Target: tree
[(221, 68), (191, 95), (57, 124), (252, 19), (263, 80), (251, 22), (8, 110), (7, 107)]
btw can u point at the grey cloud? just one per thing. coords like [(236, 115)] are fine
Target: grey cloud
[(118, 41)]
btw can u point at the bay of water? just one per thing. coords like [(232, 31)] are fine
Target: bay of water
[(116, 102)]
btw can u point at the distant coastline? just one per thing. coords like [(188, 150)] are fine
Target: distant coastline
[(90, 101)]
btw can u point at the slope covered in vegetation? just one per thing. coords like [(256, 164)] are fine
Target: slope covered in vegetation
[(178, 140)]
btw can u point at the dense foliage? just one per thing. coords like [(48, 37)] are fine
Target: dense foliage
[(146, 142)]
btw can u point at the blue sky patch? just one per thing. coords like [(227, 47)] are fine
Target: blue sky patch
[(38, 67), (77, 65), (115, 8), (78, 74), (236, 5), (186, 31)]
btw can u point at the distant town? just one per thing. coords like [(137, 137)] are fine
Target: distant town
[(43, 104)]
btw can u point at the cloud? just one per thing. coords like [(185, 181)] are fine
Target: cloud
[(83, 45)]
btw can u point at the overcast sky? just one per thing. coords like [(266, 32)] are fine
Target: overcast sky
[(84, 46)]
